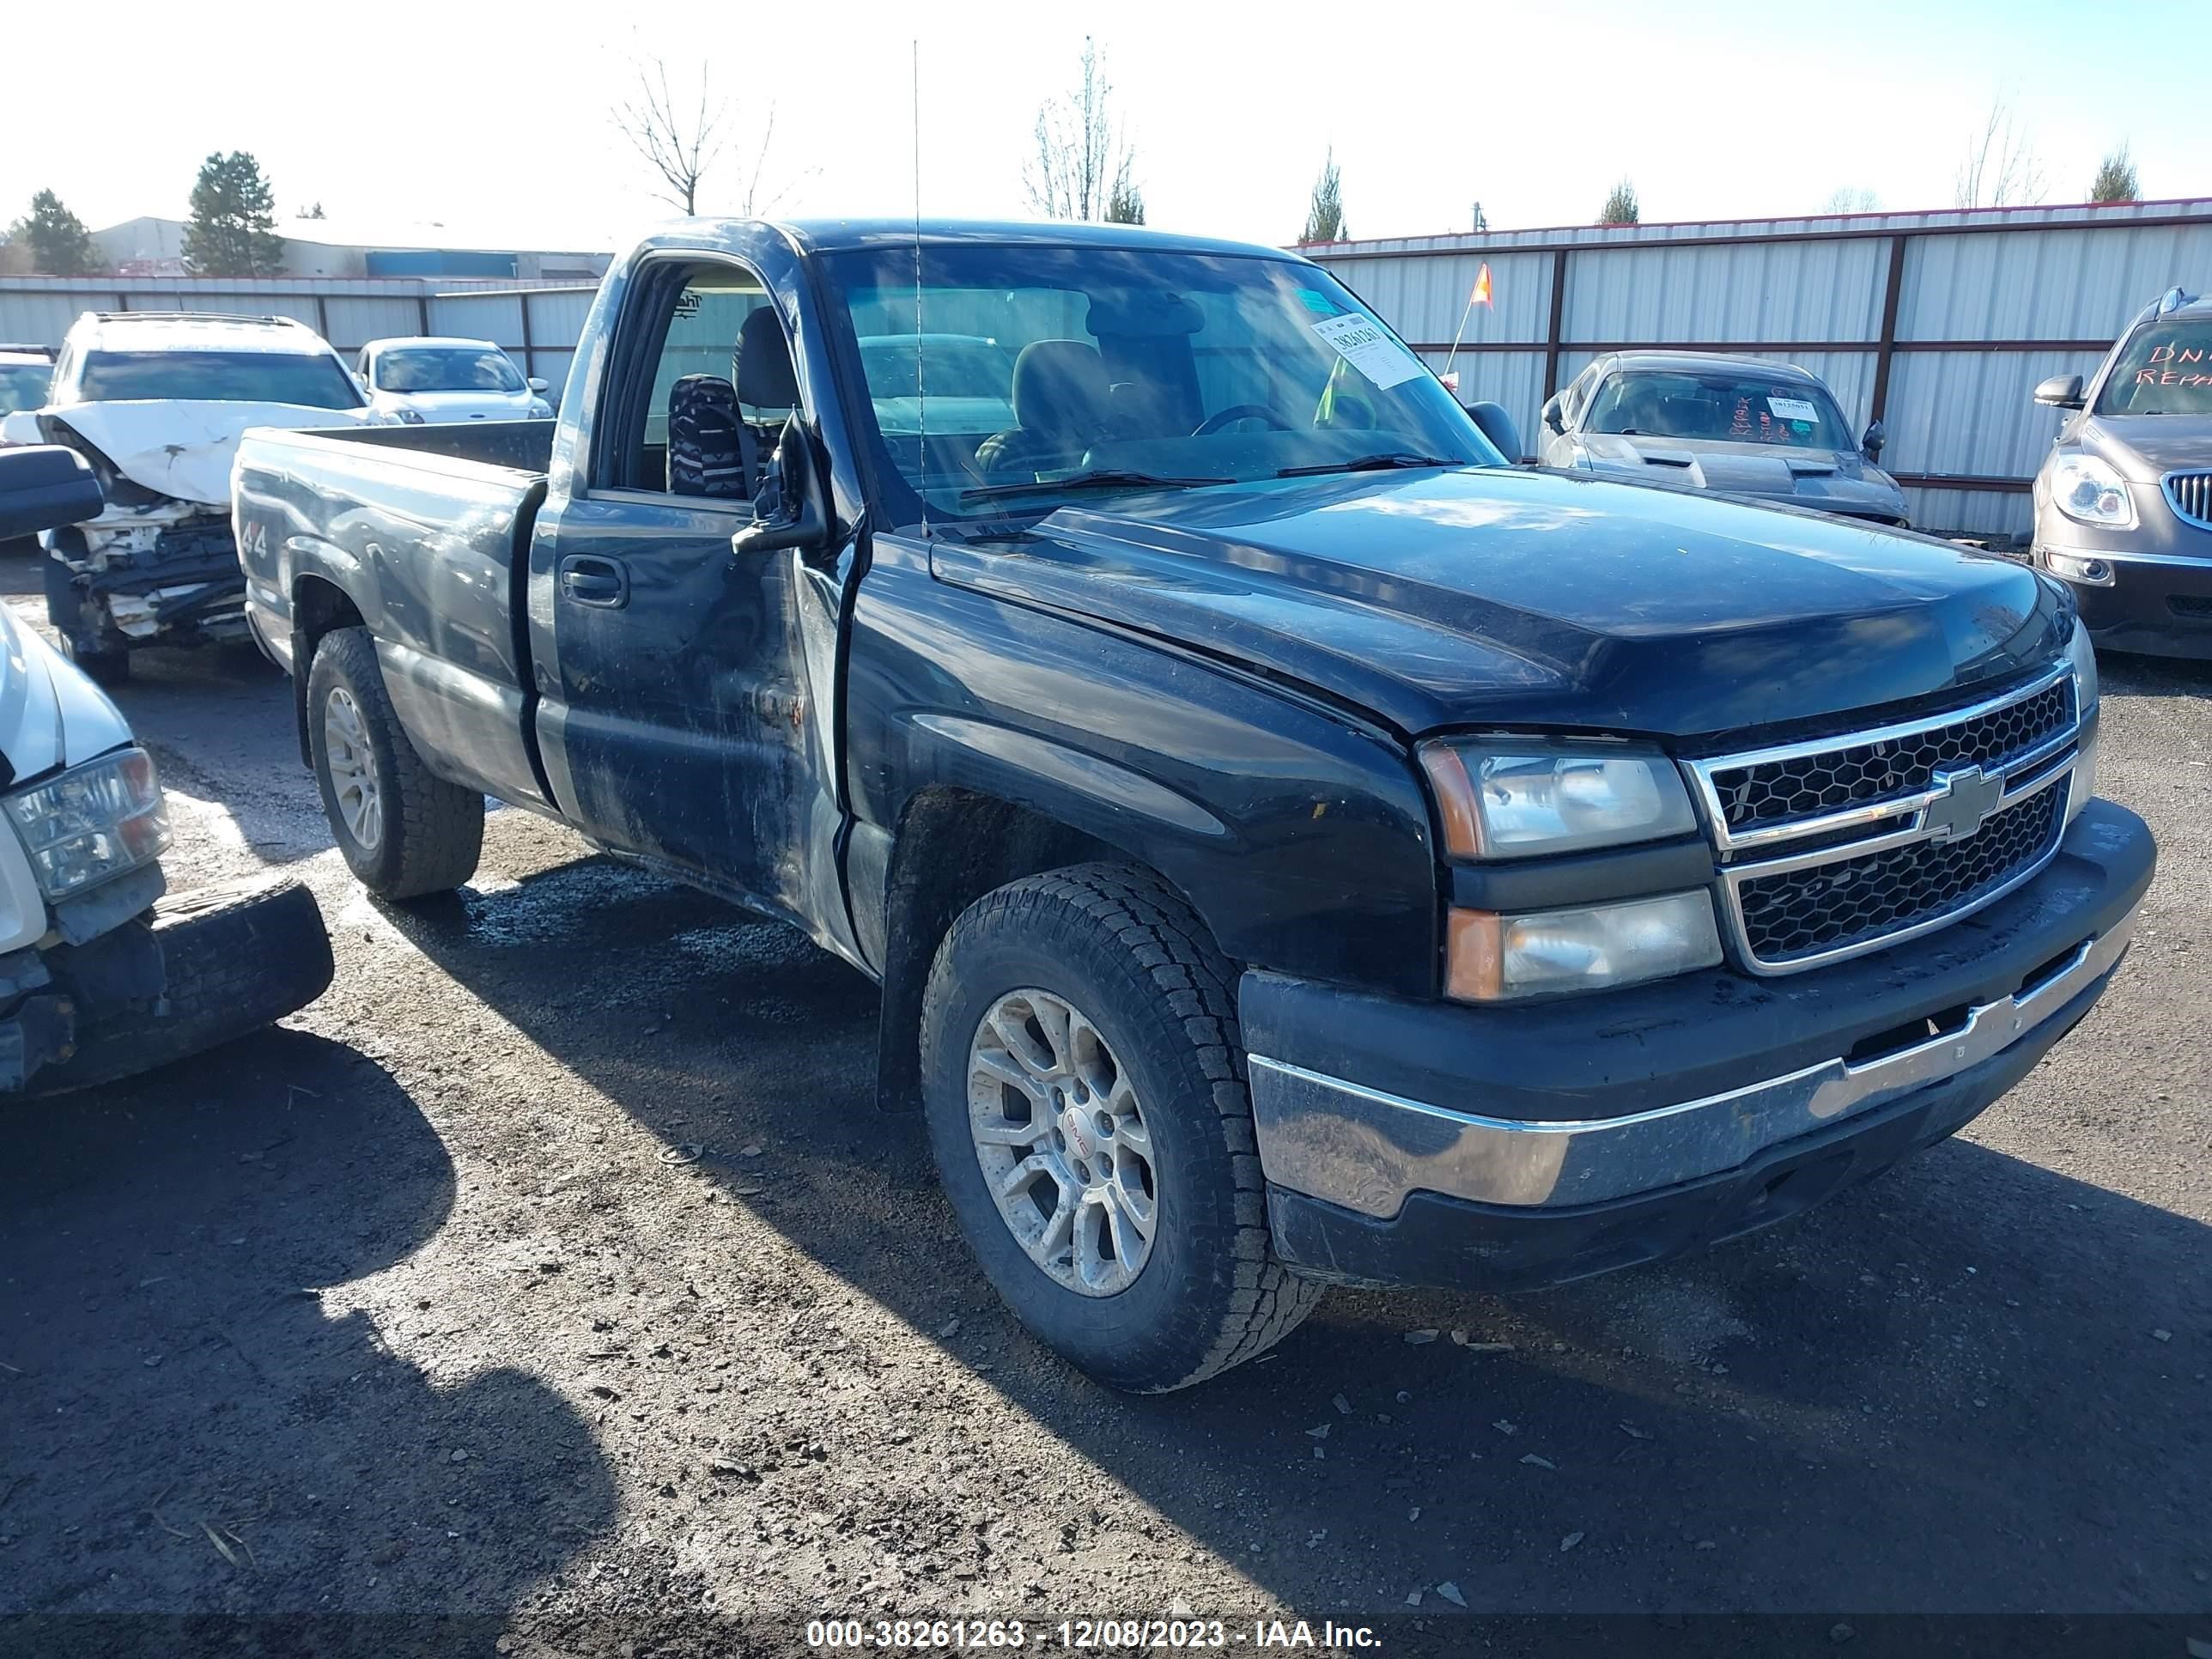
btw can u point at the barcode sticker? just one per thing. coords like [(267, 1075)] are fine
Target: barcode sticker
[(1363, 343)]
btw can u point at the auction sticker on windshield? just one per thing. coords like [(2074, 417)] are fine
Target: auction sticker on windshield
[(1367, 347), (1793, 408)]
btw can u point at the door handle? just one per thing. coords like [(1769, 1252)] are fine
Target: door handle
[(591, 581)]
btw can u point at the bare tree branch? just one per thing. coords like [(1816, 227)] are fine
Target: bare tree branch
[(2001, 168), (678, 144), (1082, 168)]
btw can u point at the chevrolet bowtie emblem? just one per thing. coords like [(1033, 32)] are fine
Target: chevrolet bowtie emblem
[(1964, 800)]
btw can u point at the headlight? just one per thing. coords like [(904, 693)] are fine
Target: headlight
[(93, 822), (408, 416), (1515, 800), (2088, 491), (541, 411), (1493, 958), (2083, 656)]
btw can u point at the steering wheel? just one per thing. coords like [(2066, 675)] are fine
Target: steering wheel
[(1214, 422)]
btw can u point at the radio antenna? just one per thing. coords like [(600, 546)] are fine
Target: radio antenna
[(921, 391)]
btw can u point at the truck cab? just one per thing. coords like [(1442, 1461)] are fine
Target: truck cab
[(1295, 846)]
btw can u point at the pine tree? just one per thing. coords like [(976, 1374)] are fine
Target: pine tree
[(1325, 213), (1621, 207), (2116, 179), (59, 244), (232, 229)]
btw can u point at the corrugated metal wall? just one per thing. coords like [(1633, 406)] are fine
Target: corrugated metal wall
[(1987, 304), (537, 325)]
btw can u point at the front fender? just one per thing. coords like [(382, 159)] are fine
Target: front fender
[(1300, 836)]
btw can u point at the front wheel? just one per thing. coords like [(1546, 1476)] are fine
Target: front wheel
[(101, 667), (1083, 1080), (403, 830)]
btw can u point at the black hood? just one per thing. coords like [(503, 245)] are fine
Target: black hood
[(2144, 448), (1436, 600)]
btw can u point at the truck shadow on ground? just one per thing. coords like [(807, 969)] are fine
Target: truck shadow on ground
[(1942, 1392), (203, 1417)]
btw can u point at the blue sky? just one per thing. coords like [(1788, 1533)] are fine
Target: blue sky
[(491, 117)]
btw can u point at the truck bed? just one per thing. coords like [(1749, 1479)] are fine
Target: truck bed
[(429, 527), (504, 446)]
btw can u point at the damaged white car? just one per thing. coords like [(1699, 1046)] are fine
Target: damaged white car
[(156, 402)]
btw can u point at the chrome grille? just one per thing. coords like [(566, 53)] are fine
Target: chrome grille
[(1836, 847), (1805, 786), (2190, 495)]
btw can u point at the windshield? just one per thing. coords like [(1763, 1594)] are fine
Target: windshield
[(446, 368), (1041, 364), (1720, 405), (23, 385), (232, 377), (2165, 368)]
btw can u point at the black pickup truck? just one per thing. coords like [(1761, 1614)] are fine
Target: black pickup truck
[(1294, 847)]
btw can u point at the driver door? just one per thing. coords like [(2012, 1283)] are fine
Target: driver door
[(690, 718)]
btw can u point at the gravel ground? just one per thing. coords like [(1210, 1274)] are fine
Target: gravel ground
[(557, 1267)]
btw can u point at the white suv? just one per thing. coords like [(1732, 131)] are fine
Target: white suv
[(156, 401)]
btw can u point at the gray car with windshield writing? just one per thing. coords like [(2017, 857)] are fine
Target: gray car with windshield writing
[(1742, 426), (2123, 502)]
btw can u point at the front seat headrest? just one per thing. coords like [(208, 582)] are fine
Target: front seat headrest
[(1060, 385), (761, 365)]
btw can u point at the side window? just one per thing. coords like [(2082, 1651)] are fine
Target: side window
[(721, 387)]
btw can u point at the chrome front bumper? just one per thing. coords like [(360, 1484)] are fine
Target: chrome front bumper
[(1366, 1150)]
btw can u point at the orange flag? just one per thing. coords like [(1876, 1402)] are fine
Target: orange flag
[(1481, 294)]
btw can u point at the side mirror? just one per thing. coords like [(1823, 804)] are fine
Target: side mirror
[(538, 383), (788, 508), (2061, 391), (1870, 446), (44, 487), (1497, 426), (1555, 417)]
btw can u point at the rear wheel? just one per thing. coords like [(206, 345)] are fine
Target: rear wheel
[(1083, 1080), (403, 830)]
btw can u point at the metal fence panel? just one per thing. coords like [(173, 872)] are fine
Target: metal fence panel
[(1747, 291), (2028, 284), (1973, 414), (356, 320), (1425, 299), (2000, 514), (1961, 313), (494, 316)]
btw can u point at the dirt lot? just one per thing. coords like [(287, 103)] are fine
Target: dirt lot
[(557, 1267)]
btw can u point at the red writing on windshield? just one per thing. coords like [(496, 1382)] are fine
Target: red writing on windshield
[(2167, 377), (1767, 432), (2167, 354)]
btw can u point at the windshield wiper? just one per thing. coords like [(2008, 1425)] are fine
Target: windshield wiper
[(1102, 477), (1366, 463)]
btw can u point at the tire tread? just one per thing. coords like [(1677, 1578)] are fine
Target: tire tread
[(439, 830), (1167, 943)]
